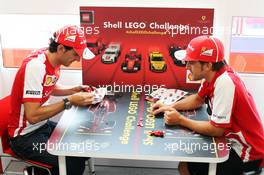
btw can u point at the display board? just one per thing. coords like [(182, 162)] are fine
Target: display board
[(136, 45)]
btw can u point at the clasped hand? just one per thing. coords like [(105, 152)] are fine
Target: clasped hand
[(171, 115)]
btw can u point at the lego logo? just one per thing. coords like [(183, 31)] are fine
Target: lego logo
[(86, 17)]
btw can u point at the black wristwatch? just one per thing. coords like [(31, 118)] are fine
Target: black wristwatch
[(67, 103)]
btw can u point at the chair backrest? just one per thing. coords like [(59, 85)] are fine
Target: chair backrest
[(4, 115), (5, 107)]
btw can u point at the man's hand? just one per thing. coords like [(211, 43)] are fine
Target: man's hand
[(36, 112), (82, 88), (81, 99), (172, 117), (159, 107), (61, 90)]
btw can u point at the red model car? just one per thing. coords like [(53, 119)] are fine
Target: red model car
[(95, 45), (132, 61), (157, 133)]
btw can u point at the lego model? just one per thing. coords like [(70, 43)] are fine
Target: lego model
[(157, 133), (132, 61), (157, 62), (95, 45), (173, 50), (111, 53)]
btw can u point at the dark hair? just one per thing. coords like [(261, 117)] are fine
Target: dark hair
[(216, 66), (54, 45)]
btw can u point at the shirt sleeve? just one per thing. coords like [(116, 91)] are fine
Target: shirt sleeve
[(223, 101), (33, 82)]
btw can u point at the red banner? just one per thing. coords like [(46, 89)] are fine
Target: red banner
[(140, 43)]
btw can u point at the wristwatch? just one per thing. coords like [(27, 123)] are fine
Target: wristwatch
[(67, 103)]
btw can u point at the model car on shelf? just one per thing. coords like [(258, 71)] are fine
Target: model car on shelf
[(95, 45), (157, 62), (132, 61), (111, 53)]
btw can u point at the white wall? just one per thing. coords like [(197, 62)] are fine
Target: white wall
[(255, 84), (224, 10)]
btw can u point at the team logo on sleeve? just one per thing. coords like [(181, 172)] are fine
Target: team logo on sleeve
[(50, 80)]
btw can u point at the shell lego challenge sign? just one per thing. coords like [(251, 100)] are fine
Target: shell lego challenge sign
[(135, 46)]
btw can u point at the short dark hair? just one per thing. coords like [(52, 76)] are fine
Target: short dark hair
[(216, 66), (53, 45)]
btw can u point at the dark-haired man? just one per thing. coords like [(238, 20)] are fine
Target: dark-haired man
[(35, 81), (232, 110)]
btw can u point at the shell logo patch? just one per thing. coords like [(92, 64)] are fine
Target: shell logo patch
[(50, 80)]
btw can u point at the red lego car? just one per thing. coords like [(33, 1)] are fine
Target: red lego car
[(157, 133), (174, 53), (132, 61), (95, 45)]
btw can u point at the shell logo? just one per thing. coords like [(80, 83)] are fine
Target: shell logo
[(189, 76), (48, 81)]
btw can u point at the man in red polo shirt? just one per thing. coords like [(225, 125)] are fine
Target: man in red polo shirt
[(35, 81), (232, 110)]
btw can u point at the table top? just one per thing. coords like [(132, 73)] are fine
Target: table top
[(113, 129)]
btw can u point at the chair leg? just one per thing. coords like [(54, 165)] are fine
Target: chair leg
[(29, 170), (25, 172), (91, 166), (35, 170)]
